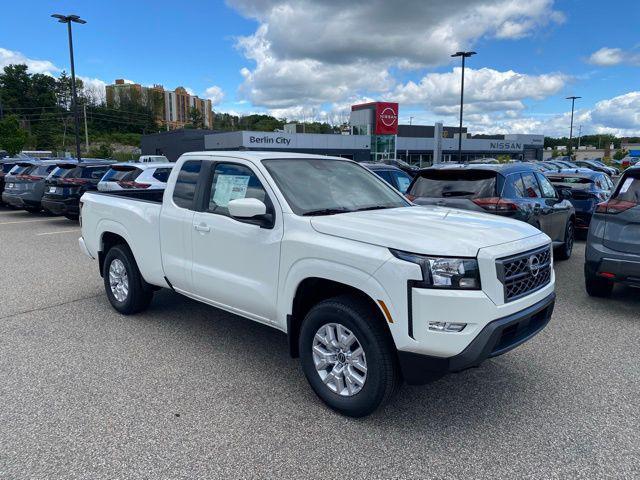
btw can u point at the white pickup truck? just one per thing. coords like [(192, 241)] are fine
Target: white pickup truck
[(369, 288)]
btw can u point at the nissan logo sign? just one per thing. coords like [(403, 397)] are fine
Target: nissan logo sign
[(534, 265), (388, 117)]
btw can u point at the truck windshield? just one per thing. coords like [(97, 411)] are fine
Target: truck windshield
[(328, 186)]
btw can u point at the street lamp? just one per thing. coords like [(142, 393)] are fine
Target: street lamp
[(573, 101), (463, 55), (68, 19)]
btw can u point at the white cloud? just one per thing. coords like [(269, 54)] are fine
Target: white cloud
[(608, 57), (318, 51), (215, 94), (9, 57), (485, 90)]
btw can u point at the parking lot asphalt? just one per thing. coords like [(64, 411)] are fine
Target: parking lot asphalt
[(187, 391)]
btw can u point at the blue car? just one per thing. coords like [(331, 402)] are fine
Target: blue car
[(588, 188)]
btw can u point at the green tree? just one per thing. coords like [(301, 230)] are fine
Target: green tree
[(619, 155), (12, 137), (196, 119)]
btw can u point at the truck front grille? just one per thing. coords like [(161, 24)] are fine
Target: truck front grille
[(524, 273)]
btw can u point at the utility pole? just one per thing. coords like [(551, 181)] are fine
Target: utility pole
[(410, 120), (69, 19), (464, 55), (579, 135), (570, 147), (86, 130)]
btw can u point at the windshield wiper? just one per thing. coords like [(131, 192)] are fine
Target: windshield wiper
[(325, 211), (374, 207)]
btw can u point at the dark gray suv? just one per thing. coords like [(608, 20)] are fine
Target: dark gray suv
[(613, 244)]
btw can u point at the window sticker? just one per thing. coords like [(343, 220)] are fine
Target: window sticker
[(625, 186), (230, 187)]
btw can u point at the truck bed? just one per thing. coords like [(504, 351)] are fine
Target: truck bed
[(133, 215), (154, 196)]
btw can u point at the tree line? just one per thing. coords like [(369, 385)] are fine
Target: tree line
[(36, 113)]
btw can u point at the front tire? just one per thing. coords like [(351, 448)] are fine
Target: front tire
[(348, 356), (564, 252), (126, 290)]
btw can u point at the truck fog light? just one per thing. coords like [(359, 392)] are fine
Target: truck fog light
[(446, 326)]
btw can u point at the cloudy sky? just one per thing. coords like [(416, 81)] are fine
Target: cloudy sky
[(312, 59)]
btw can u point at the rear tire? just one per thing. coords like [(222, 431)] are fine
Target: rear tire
[(353, 317), (564, 252), (597, 286), (125, 287)]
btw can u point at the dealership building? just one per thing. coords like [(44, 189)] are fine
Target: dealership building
[(373, 134)]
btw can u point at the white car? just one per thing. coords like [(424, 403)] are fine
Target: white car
[(369, 288), (125, 176)]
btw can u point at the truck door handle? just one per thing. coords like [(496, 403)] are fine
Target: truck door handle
[(202, 228)]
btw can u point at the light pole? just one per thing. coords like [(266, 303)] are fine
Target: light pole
[(463, 55), (68, 19), (573, 101)]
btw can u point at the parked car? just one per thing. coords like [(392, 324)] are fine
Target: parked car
[(613, 245), (123, 176), (69, 181), (151, 159), (25, 187), (395, 177), (402, 165), (512, 190), (369, 288), (6, 164), (597, 167), (485, 161), (588, 189)]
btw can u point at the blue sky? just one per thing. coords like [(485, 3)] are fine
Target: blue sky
[(312, 59)]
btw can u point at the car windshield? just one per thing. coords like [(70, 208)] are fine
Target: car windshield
[(455, 183), (328, 186), (21, 169)]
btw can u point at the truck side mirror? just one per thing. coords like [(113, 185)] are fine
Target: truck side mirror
[(244, 208)]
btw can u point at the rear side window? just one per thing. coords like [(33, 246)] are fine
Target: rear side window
[(403, 180), (121, 174), (576, 183), (185, 189), (629, 189), (547, 189), (455, 183), (531, 187), (162, 174)]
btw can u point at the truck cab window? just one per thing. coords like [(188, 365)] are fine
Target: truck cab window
[(230, 182), (185, 189)]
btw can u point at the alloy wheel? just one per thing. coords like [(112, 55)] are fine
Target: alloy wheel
[(118, 280), (339, 359)]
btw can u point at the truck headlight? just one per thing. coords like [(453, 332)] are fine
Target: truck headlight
[(444, 272)]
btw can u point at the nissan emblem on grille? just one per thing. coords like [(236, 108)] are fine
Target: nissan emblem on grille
[(524, 273)]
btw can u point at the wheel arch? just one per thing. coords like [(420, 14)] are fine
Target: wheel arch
[(312, 290)]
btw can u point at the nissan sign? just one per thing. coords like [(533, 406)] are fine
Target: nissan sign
[(386, 118)]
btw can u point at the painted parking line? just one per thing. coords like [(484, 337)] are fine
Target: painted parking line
[(33, 221), (76, 230)]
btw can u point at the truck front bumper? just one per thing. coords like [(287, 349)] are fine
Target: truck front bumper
[(496, 338)]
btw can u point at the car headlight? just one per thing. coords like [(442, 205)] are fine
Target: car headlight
[(444, 272)]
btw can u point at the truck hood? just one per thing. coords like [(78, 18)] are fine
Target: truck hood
[(426, 230)]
